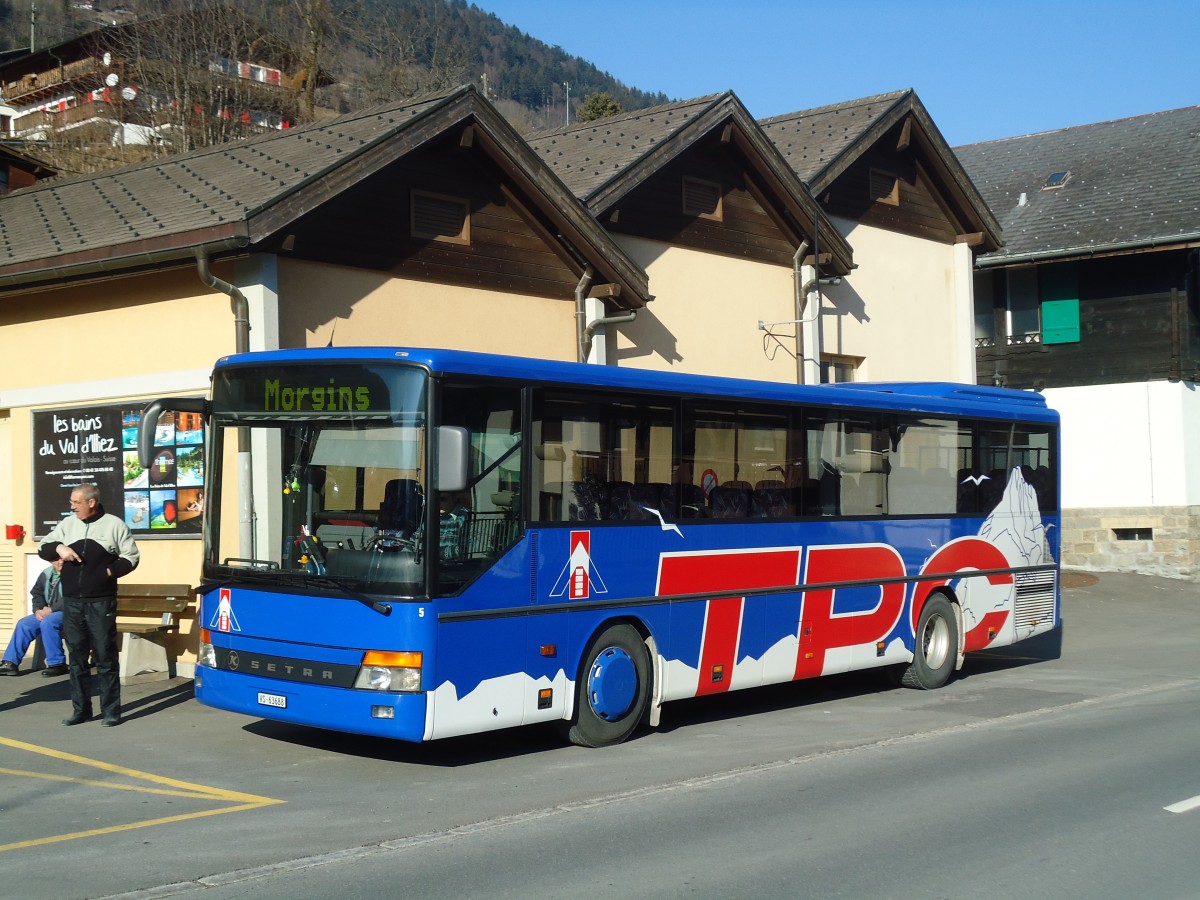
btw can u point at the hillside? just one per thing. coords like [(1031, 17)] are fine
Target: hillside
[(371, 51)]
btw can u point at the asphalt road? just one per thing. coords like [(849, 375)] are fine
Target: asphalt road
[(1068, 777)]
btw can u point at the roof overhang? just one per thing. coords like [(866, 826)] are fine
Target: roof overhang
[(963, 203), (562, 219), (778, 188)]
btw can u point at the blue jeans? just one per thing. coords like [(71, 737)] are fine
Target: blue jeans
[(26, 632)]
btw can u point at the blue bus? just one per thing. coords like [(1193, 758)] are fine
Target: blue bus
[(419, 543)]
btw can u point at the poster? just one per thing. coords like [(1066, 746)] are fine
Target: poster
[(99, 444)]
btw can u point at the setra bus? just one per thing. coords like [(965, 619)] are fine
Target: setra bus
[(418, 543)]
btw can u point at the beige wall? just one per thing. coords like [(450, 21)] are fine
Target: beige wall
[(705, 314), (361, 308), (898, 310), (113, 340), (159, 334)]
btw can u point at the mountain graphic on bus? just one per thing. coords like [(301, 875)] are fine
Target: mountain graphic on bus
[(579, 578)]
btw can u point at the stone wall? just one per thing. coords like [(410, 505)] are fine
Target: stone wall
[(1111, 540)]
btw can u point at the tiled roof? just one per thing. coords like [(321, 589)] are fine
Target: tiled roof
[(1134, 183), (821, 143), (587, 155), (238, 194), (602, 161), (217, 189), (812, 139)]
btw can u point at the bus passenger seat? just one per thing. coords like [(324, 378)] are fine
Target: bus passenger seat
[(730, 502), (402, 506)]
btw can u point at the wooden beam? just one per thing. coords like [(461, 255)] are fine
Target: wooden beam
[(727, 133), (467, 138), (905, 135), (974, 239), (608, 291)]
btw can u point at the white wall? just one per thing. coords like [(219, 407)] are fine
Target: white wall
[(1128, 444)]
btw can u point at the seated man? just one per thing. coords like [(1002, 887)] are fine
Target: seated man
[(46, 619), (452, 524)]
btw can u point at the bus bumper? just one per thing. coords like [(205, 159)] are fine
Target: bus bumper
[(388, 715)]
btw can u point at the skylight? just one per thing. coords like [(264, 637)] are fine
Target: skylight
[(1055, 180)]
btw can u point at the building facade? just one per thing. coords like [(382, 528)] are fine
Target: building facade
[(1093, 300)]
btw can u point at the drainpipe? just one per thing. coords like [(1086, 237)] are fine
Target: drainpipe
[(581, 290), (241, 325), (801, 300), (237, 301), (596, 323)]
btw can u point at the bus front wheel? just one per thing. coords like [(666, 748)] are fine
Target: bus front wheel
[(612, 689), (936, 646)]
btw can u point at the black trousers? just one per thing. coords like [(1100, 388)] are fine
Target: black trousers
[(90, 628)]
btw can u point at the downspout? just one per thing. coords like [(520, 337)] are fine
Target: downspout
[(581, 334), (237, 301), (241, 327), (596, 323), (801, 300)]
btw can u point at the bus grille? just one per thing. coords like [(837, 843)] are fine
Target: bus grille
[(1035, 598)]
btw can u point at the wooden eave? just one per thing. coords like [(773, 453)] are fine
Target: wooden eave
[(771, 173), (729, 120), (563, 222), (582, 241), (125, 259), (961, 201)]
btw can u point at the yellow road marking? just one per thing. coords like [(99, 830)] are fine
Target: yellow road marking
[(91, 782), (172, 787)]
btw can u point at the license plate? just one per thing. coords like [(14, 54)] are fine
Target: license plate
[(277, 700)]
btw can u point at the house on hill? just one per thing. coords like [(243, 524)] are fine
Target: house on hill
[(1094, 300), (119, 86)]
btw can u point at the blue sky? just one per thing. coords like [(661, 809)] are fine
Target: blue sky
[(984, 70)]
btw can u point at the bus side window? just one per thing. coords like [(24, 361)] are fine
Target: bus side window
[(478, 525)]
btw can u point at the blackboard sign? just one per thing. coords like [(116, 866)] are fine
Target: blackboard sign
[(99, 444)]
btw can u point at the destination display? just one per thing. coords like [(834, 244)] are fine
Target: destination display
[(318, 390)]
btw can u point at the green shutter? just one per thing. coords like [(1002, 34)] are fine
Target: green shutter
[(1059, 289), (1060, 322)]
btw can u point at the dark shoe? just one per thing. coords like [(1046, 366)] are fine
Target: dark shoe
[(8, 668), (77, 718), (111, 721), (55, 671)]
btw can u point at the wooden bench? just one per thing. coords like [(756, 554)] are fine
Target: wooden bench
[(155, 609)]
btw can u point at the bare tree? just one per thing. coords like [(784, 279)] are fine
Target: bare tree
[(203, 75)]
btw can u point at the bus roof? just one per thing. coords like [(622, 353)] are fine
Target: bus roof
[(940, 397)]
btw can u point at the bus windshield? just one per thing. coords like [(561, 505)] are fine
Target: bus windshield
[(335, 459)]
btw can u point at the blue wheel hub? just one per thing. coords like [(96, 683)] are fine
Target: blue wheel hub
[(612, 684)]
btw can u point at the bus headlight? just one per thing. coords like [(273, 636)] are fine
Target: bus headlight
[(396, 672), (207, 656)]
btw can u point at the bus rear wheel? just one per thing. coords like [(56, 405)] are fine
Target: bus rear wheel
[(936, 646), (612, 689)]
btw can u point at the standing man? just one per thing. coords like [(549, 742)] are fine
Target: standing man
[(45, 620), (96, 549)]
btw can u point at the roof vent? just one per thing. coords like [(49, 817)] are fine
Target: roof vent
[(1056, 180)]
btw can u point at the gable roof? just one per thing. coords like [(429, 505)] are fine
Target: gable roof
[(30, 164), (1133, 183), (239, 196), (603, 161), (821, 143)]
